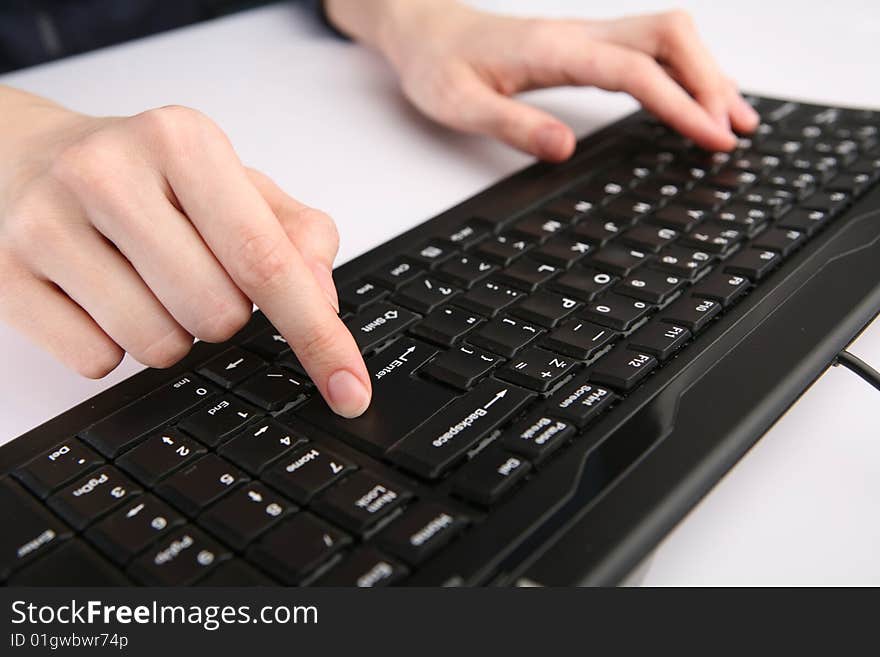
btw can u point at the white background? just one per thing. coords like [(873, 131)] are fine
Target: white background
[(324, 118)]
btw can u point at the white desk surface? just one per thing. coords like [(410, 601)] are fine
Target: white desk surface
[(324, 118)]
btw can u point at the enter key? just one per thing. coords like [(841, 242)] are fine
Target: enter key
[(400, 402)]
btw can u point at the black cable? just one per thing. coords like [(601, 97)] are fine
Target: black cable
[(860, 367)]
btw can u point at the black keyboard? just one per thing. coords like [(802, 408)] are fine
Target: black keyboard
[(562, 366)]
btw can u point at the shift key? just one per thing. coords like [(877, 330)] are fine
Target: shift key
[(444, 439), (377, 324)]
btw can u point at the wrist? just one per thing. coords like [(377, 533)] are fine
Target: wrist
[(389, 25)]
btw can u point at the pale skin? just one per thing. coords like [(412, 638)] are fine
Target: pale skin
[(137, 234)]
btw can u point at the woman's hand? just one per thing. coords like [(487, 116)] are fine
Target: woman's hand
[(461, 67), (136, 234)]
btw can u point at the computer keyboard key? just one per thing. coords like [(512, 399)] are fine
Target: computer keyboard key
[(649, 285), (830, 202), (537, 369), (179, 559), (747, 218), (72, 564), (58, 466), (646, 237), (537, 227), (400, 401), (528, 274), (461, 367), (598, 230), (425, 294), (396, 273), (423, 530), (617, 312), (678, 217), (240, 517), (567, 209), (732, 179), (491, 474), (627, 209), (489, 297), (160, 455), (273, 389), (213, 423), (805, 220), (854, 184), (579, 402), (29, 529), (706, 197), (583, 284), (800, 183), (360, 501), (269, 344), (307, 472), (259, 445), (546, 308), (684, 262), (356, 296), (235, 572), (505, 335), (126, 426), (722, 287), (562, 251), (693, 313), (200, 484), (579, 339), (447, 325), (297, 547), (503, 249), (660, 339), (434, 253), (619, 259), (231, 367), (754, 264), (93, 495), (365, 567), (132, 528), (468, 234), (378, 324), (776, 201), (466, 271), (714, 237), (622, 368), (438, 444), (537, 436), (781, 240)]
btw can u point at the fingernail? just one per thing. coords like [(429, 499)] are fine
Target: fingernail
[(348, 397), (549, 141), (325, 280)]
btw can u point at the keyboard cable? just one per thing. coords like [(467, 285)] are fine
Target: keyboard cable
[(858, 366)]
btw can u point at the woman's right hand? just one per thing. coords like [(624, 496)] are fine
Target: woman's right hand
[(137, 233)]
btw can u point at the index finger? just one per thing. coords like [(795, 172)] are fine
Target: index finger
[(237, 224)]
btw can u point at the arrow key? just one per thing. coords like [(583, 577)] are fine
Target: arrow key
[(231, 367)]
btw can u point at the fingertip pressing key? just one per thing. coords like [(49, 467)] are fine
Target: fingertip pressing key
[(347, 394)]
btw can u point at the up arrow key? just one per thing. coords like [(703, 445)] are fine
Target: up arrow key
[(435, 446)]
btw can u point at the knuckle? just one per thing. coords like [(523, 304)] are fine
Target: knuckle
[(224, 321), (260, 262), (678, 22), (316, 344), (175, 127), (321, 225), (165, 351)]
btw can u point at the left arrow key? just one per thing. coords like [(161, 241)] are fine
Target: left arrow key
[(232, 367)]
